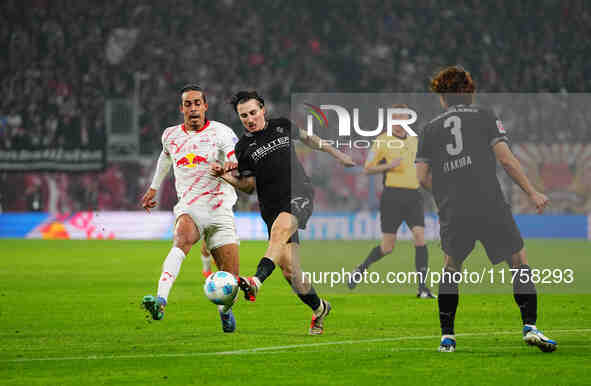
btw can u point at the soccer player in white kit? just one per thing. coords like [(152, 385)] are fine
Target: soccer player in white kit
[(204, 207)]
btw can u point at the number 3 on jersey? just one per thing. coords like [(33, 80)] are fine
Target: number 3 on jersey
[(456, 125)]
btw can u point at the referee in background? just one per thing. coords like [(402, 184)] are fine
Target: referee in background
[(401, 200)]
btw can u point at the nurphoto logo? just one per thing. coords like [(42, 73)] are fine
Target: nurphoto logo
[(394, 116)]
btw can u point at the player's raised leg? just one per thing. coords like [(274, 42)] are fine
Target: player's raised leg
[(226, 258), (185, 235), (284, 226), (290, 265), (525, 295)]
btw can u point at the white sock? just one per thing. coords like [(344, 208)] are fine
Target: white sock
[(206, 263), (170, 270)]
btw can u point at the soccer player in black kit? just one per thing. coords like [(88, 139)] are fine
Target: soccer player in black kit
[(267, 161), (457, 161)]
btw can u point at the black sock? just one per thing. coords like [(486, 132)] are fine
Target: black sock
[(524, 293), (375, 255), (311, 299), (421, 264), (265, 268), (448, 303)]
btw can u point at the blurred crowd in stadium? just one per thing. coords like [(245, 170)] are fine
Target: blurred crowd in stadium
[(63, 59)]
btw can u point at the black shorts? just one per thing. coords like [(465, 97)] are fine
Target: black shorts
[(398, 205), (497, 232), (300, 206)]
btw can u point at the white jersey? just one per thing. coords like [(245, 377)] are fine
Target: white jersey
[(192, 153)]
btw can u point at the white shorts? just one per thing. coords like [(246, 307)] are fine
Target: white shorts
[(216, 227)]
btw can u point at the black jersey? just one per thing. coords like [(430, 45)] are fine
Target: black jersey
[(269, 156), (458, 146)]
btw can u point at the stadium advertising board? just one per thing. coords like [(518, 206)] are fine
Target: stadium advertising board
[(52, 159), (322, 226)]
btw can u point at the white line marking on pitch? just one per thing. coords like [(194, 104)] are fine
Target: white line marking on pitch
[(267, 350)]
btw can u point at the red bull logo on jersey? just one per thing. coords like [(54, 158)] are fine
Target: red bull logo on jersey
[(191, 160)]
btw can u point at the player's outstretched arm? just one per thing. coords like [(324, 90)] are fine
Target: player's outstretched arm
[(316, 143), (424, 175), (245, 184), (513, 168), (162, 167)]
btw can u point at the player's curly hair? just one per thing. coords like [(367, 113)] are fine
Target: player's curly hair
[(244, 96), (454, 80)]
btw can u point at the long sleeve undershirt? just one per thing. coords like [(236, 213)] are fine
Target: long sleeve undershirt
[(162, 168)]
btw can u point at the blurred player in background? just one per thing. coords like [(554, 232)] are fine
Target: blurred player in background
[(267, 160), (401, 200), (204, 207), (206, 260), (457, 160)]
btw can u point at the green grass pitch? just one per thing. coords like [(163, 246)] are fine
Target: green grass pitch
[(70, 315)]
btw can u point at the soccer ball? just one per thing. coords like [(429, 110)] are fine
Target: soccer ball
[(221, 288)]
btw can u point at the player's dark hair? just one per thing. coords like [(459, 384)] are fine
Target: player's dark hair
[(244, 96), (455, 85), (192, 87)]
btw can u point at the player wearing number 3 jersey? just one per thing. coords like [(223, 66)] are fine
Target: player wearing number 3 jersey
[(457, 160)]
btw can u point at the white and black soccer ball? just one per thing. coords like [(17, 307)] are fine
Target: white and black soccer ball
[(221, 288)]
